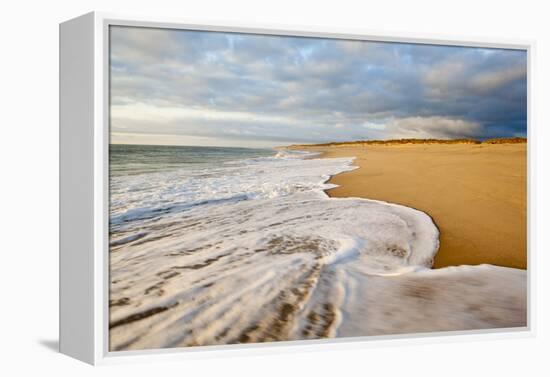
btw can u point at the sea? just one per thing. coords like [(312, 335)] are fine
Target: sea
[(212, 245)]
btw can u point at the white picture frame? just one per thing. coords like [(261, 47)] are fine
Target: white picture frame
[(84, 138)]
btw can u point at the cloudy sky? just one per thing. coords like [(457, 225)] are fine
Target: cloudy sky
[(228, 89)]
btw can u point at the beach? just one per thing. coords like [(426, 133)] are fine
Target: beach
[(229, 245), (475, 193)]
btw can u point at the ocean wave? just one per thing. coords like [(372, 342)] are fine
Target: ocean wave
[(296, 154), (144, 196)]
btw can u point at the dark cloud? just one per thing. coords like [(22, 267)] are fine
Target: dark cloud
[(285, 89)]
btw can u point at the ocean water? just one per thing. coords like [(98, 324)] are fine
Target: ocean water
[(224, 245)]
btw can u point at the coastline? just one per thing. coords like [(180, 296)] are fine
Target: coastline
[(307, 266), (476, 194)]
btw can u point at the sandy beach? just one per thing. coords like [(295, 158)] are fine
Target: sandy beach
[(475, 193), (285, 262)]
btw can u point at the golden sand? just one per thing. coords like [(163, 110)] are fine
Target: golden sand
[(476, 194)]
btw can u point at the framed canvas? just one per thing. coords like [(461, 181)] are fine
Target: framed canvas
[(250, 189)]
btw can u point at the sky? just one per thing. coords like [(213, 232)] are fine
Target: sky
[(181, 87)]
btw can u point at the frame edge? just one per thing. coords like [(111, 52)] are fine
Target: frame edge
[(76, 193)]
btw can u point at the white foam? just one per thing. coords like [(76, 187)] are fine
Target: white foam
[(137, 197)]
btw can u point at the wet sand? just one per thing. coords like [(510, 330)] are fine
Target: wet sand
[(476, 194)]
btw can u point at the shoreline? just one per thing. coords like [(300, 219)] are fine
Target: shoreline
[(296, 263), (478, 202)]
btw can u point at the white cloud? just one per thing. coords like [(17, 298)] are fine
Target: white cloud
[(488, 81), (432, 127), (374, 126), (158, 115)]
